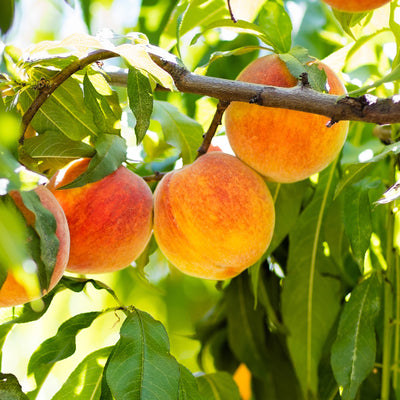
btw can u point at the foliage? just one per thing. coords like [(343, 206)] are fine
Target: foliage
[(316, 318)]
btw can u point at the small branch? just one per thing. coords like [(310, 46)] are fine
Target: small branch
[(231, 11), (216, 121), (48, 87)]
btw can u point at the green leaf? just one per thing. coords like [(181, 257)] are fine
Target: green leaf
[(10, 389), (357, 220), (13, 237), (137, 57), (58, 347), (201, 13), (354, 350), (239, 27), (78, 284), (179, 130), (85, 381), (104, 117), (218, 386), (349, 20), (6, 15), (249, 346), (188, 389), (110, 153), (141, 366), (310, 294), (393, 75), (45, 227), (288, 201), (56, 145), (352, 173), (140, 101), (298, 61), (277, 26), (64, 111)]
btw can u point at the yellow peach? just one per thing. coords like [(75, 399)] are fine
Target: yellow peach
[(356, 5), (110, 220), (283, 145), (12, 292), (213, 218)]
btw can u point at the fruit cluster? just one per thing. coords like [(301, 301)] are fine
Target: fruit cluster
[(213, 218)]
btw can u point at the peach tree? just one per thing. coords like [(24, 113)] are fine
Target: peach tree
[(317, 315)]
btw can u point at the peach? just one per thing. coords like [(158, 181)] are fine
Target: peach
[(12, 292), (110, 220), (283, 145), (242, 378), (213, 218), (356, 5)]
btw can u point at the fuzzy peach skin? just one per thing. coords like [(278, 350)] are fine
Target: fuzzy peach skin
[(283, 145), (110, 220), (356, 5), (213, 218), (12, 293)]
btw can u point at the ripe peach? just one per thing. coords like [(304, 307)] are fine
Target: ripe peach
[(110, 220), (283, 145), (242, 377), (213, 218), (356, 5), (12, 293)]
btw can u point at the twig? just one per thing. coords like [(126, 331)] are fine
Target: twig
[(47, 89), (231, 11), (216, 121)]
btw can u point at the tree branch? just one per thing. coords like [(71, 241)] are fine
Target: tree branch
[(216, 121), (48, 88), (366, 108)]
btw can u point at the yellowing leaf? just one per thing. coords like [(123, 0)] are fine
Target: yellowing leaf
[(137, 57)]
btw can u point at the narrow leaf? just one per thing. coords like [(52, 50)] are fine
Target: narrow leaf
[(353, 352), (140, 101), (277, 25), (6, 15), (103, 115), (179, 130), (85, 381), (58, 347), (310, 297), (56, 145), (200, 13), (238, 27), (349, 20), (141, 366), (249, 346), (45, 226), (137, 57), (218, 386), (110, 153), (188, 389), (357, 220), (288, 201), (64, 111), (352, 173)]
